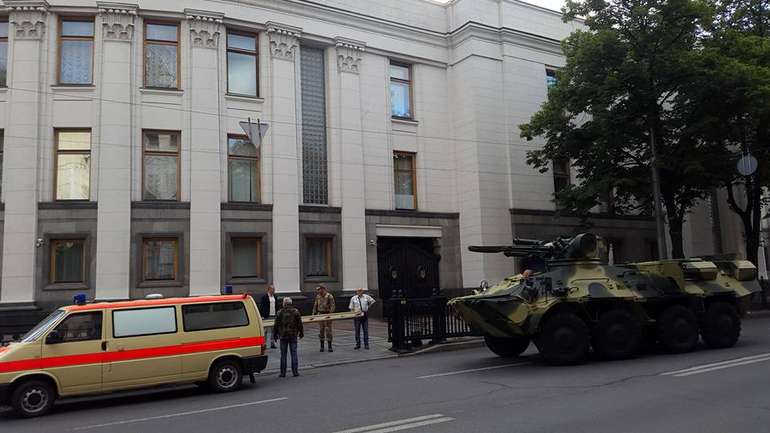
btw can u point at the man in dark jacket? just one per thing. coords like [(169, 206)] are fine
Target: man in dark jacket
[(267, 308), (288, 327)]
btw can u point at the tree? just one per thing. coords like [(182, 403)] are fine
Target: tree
[(622, 75), (728, 104)]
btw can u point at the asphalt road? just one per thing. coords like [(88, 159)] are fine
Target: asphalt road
[(720, 391)]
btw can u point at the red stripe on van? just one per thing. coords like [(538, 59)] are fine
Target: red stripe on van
[(127, 355)]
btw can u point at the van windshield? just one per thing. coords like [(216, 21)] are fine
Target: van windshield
[(43, 326)]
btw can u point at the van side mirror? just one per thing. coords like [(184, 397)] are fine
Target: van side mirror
[(54, 337)]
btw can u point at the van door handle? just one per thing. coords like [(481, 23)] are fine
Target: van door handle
[(104, 345)]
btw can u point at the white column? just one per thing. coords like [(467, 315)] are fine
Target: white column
[(113, 226), (205, 194), (285, 156), (22, 149), (349, 57)]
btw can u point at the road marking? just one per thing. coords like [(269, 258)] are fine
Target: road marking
[(472, 370), (404, 424), (730, 363), (174, 415)]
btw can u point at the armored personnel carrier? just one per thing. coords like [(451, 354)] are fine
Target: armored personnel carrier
[(567, 301)]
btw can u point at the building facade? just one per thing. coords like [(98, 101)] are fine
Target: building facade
[(392, 146)]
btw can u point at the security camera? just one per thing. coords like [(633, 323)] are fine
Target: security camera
[(39, 242)]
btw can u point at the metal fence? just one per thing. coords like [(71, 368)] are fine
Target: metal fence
[(412, 320)]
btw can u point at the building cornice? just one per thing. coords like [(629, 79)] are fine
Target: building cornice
[(205, 28), (28, 18), (475, 30), (350, 54), (118, 20), (284, 40)]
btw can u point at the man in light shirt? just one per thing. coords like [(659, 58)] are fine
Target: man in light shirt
[(361, 302), (267, 310)]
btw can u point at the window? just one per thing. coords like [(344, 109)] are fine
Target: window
[(550, 77), (404, 167), (81, 327), (3, 52), (143, 321), (76, 48), (242, 169), (315, 179), (246, 257), (161, 165), (401, 91), (561, 175), (73, 165), (160, 259), (161, 55), (318, 257), (67, 261), (242, 64), (201, 317)]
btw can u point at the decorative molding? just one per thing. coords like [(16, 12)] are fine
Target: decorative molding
[(350, 53), (205, 28), (284, 40), (28, 18), (412, 214), (118, 21)]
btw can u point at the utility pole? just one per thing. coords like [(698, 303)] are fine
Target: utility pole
[(660, 226)]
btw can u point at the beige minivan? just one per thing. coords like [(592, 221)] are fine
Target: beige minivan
[(104, 347)]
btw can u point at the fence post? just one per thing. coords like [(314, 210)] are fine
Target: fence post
[(439, 320)]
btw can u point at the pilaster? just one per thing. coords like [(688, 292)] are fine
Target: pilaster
[(27, 68), (205, 194), (284, 156), (113, 226), (349, 57)]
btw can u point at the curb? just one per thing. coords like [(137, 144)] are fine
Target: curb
[(757, 314), (436, 348)]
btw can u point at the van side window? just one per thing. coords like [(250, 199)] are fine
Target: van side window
[(143, 321), (200, 317), (81, 327)]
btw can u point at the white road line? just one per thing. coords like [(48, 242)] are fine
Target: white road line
[(721, 367), (472, 370), (402, 424), (174, 415), (715, 364), (412, 425)]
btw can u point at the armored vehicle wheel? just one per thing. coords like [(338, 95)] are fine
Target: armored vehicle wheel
[(564, 339), (721, 326), (507, 347), (678, 329), (617, 335)]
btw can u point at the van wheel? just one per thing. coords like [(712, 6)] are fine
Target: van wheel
[(225, 376), (507, 347), (617, 335), (678, 329), (33, 398), (721, 326), (564, 339)]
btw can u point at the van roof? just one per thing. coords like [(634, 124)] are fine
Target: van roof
[(154, 302)]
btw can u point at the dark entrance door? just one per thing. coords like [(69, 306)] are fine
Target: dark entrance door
[(407, 264)]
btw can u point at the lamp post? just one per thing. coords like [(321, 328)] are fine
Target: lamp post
[(659, 225)]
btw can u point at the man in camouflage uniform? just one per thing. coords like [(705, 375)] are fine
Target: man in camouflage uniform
[(324, 304), (288, 326)]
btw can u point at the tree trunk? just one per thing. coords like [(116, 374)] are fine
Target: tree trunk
[(750, 217), (675, 231)]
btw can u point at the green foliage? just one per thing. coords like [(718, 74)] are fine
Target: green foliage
[(623, 74)]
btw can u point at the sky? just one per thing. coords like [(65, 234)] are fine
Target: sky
[(550, 4)]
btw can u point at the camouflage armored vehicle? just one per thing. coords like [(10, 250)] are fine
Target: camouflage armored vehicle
[(568, 301)]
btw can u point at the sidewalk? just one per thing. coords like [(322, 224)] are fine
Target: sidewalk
[(343, 344)]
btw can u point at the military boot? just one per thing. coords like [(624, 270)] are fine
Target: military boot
[(330, 347), (322, 345)]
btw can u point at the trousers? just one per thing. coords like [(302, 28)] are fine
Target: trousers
[(289, 345), (325, 331), (362, 323)]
